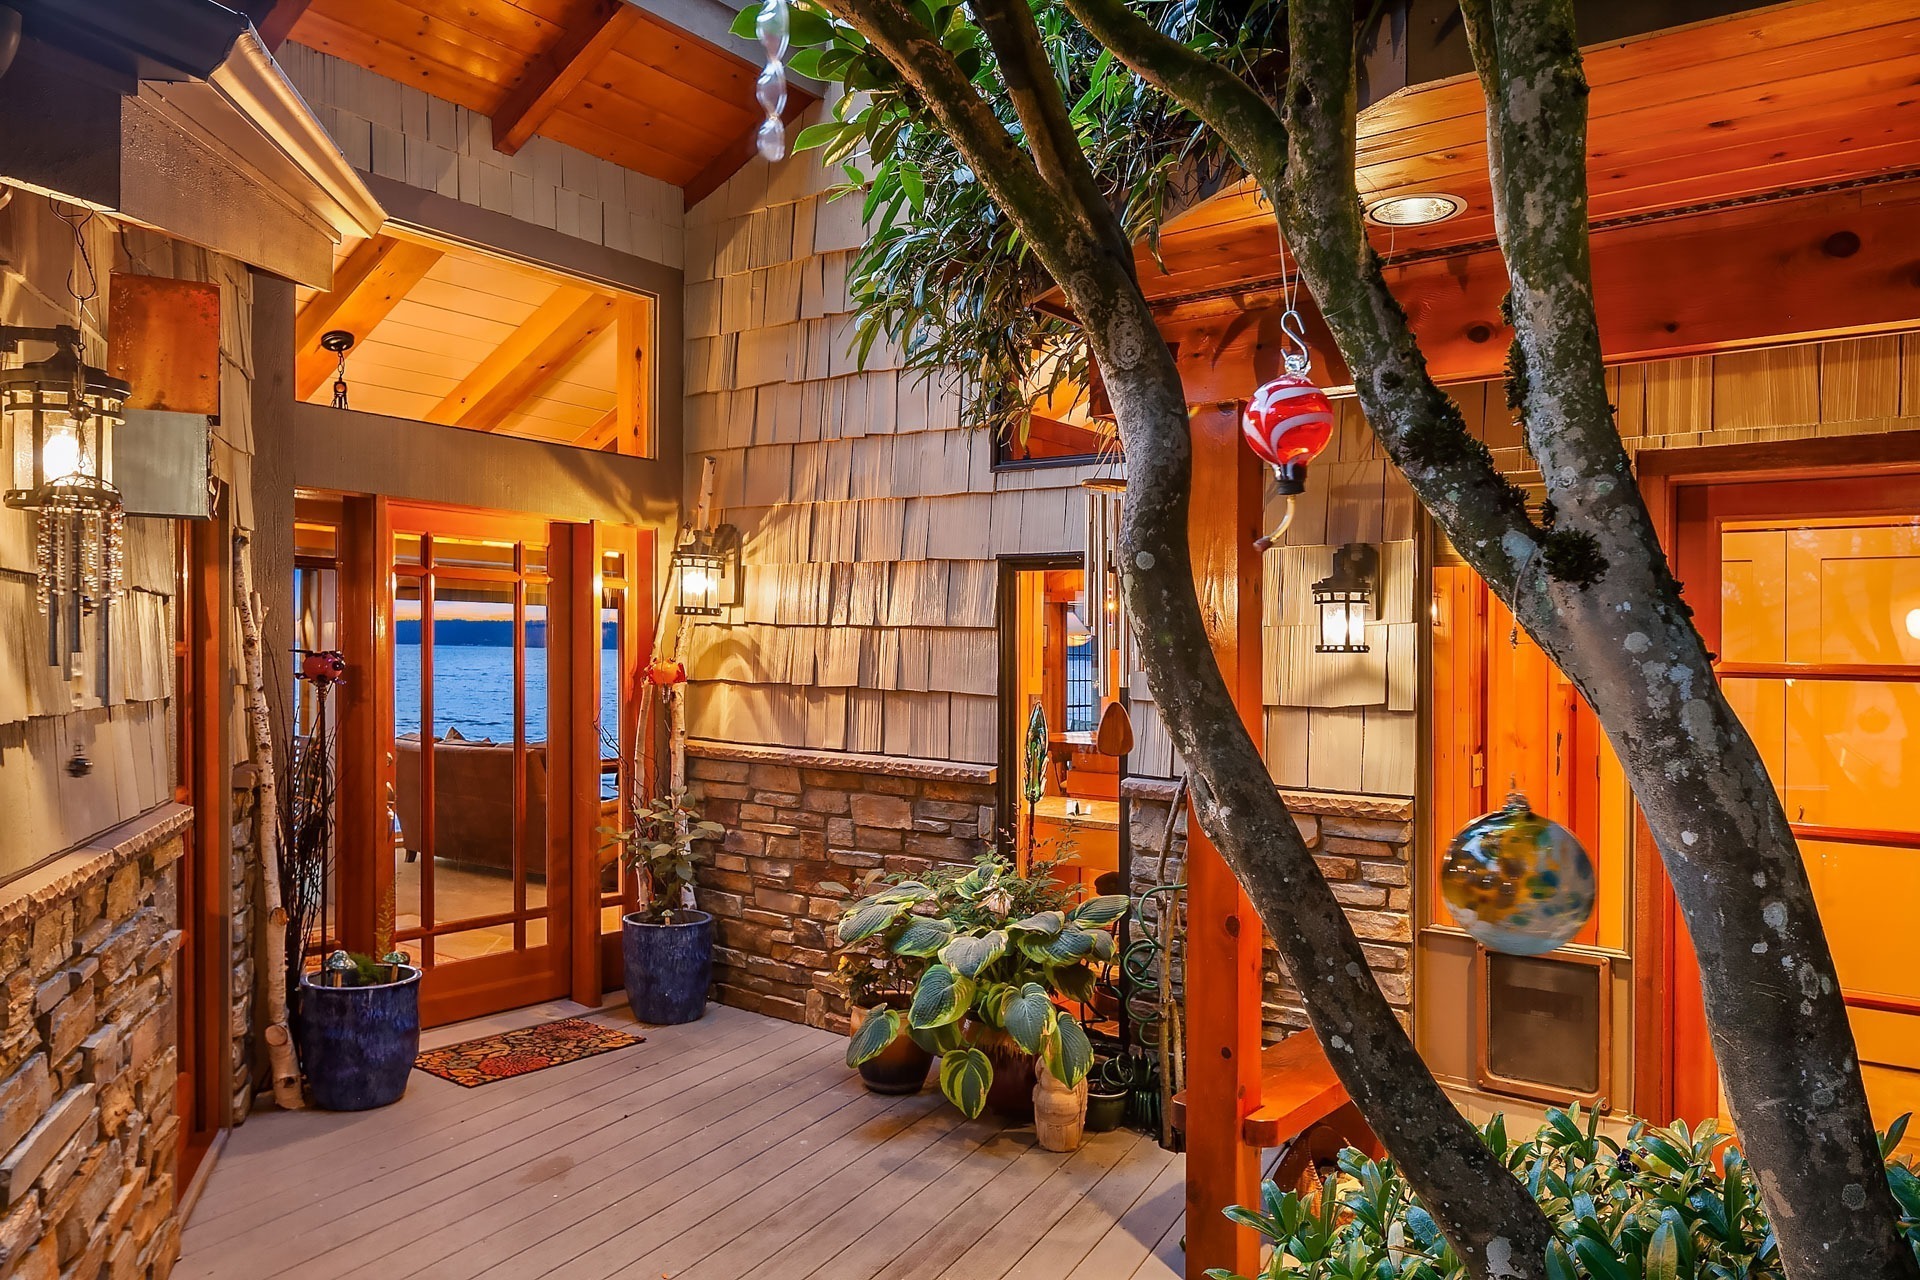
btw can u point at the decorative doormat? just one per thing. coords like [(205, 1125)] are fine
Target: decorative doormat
[(472, 1063)]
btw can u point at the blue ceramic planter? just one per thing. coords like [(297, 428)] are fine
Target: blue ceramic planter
[(357, 1044), (669, 966)]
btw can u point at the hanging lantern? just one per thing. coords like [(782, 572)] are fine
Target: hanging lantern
[(1344, 599), (1518, 883), (61, 413), (701, 565), (339, 342), (1288, 422)]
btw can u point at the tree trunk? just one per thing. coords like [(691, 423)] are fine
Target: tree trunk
[(282, 1063), (1043, 183)]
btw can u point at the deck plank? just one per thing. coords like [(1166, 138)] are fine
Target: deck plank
[(734, 1148)]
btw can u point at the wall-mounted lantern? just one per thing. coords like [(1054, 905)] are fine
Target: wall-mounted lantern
[(1344, 599), (61, 413), (704, 566)]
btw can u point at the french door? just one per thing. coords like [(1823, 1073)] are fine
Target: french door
[(483, 681), (1808, 593)]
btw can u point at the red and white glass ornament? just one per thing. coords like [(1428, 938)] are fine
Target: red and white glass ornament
[(1288, 422)]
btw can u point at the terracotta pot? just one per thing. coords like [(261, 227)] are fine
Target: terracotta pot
[(1059, 1113), (1010, 1096), (901, 1067)]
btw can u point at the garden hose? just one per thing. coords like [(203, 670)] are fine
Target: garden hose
[(1146, 971)]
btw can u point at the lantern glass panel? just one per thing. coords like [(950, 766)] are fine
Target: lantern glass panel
[(698, 573), (1343, 621)]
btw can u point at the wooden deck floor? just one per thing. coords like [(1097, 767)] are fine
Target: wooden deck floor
[(736, 1147)]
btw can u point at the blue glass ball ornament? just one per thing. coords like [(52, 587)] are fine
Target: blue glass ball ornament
[(1518, 883)]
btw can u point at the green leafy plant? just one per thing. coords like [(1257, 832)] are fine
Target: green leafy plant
[(944, 274), (994, 950), (658, 846), (1660, 1203)]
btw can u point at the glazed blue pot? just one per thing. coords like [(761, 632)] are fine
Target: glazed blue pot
[(357, 1044), (669, 966)]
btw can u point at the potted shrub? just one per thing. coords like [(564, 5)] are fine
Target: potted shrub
[(878, 985), (359, 1030), (667, 945), (997, 949)]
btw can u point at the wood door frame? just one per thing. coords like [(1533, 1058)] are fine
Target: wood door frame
[(367, 528), (1013, 718), (1674, 1072), (637, 633)]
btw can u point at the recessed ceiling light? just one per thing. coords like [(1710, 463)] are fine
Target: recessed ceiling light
[(1414, 210)]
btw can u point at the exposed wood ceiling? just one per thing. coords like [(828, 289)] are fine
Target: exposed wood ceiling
[(1787, 98), (605, 76), (448, 335)]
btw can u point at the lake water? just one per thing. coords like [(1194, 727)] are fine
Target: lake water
[(473, 690)]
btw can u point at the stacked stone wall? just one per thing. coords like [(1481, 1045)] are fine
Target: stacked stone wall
[(89, 1062), (1364, 847), (796, 821), (244, 881)]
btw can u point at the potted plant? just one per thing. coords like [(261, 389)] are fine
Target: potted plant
[(359, 1030), (667, 945), (998, 948), (883, 1048)]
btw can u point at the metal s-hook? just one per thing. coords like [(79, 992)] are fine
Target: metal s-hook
[(1299, 359)]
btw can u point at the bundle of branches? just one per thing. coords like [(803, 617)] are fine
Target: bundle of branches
[(306, 838)]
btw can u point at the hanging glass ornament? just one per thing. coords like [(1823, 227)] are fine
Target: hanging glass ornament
[(1288, 422), (771, 88), (1518, 883)]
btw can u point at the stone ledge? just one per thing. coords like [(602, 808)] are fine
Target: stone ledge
[(1327, 804), (845, 761), (91, 862)]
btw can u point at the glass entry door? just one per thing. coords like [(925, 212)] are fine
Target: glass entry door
[(1816, 630), (480, 827)]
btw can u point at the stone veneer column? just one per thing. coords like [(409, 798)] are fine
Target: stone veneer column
[(795, 819), (1364, 847), (89, 1060)]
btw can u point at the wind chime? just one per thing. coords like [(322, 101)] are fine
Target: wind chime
[(771, 88), (62, 413)]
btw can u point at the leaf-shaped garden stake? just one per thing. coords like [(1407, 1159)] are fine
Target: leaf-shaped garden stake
[(1034, 784)]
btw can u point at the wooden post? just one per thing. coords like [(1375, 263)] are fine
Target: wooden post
[(363, 848), (1223, 986), (579, 919)]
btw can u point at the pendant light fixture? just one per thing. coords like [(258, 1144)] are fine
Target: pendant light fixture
[(61, 414)]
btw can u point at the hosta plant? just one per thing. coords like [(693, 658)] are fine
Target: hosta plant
[(1672, 1203), (994, 948)]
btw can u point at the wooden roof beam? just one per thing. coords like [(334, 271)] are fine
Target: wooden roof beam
[(559, 71), (529, 360), (368, 285)]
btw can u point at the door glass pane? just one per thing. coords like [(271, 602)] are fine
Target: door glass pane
[(1816, 595), (407, 818), (534, 808), (472, 657)]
